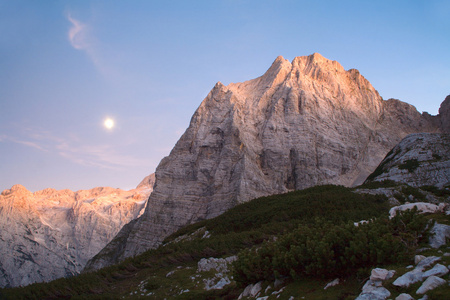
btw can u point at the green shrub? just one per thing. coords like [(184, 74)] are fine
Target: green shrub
[(324, 250), (437, 156), (410, 165)]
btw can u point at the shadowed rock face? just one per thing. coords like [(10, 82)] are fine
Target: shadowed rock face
[(51, 234), (302, 123)]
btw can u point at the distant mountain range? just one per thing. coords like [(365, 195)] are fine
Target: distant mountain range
[(50, 234)]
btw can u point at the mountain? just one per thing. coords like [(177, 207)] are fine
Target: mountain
[(50, 234), (421, 159), (194, 263), (301, 124), (265, 238)]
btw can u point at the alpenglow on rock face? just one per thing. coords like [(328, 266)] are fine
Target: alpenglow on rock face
[(302, 123), (51, 234)]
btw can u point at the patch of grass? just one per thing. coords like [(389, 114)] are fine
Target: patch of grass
[(439, 293), (444, 192), (440, 218), (415, 192), (437, 156), (378, 184), (314, 289)]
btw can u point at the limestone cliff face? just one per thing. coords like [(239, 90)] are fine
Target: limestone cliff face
[(442, 120), (50, 234), (419, 159), (302, 123)]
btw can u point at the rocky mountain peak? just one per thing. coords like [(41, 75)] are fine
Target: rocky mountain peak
[(300, 124), (147, 182), (444, 109), (442, 120), (17, 189), (444, 113)]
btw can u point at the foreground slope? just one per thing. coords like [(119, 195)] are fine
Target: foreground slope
[(302, 123), (50, 234), (191, 264)]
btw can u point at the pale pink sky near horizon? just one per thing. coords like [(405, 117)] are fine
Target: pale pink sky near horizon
[(66, 66)]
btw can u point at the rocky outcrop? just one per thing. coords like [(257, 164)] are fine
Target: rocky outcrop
[(221, 268), (373, 289), (50, 234), (440, 234), (302, 123), (442, 120), (419, 159), (422, 207)]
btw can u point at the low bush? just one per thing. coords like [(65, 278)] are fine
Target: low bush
[(326, 250), (410, 165)]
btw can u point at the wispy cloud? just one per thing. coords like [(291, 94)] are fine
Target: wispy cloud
[(78, 34), (81, 38), (103, 156), (71, 148), (5, 138)]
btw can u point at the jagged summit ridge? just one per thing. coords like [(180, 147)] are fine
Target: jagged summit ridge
[(300, 124)]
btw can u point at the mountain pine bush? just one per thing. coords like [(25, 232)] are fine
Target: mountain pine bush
[(325, 250)]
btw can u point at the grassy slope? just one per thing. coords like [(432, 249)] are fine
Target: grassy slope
[(240, 228)]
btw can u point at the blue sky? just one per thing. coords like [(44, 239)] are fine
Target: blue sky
[(65, 66)]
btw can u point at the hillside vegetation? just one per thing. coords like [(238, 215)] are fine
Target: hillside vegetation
[(304, 238)]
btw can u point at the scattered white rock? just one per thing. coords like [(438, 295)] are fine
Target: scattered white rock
[(246, 291), (379, 274), (409, 278), (422, 207), (332, 283), (278, 292), (404, 296), (206, 235), (437, 270), (360, 222), (170, 273), (219, 264), (418, 258), (373, 290), (256, 289), (220, 279), (262, 298), (440, 233), (431, 283), (210, 284), (428, 261), (278, 282)]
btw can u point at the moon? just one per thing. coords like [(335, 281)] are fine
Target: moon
[(109, 123)]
